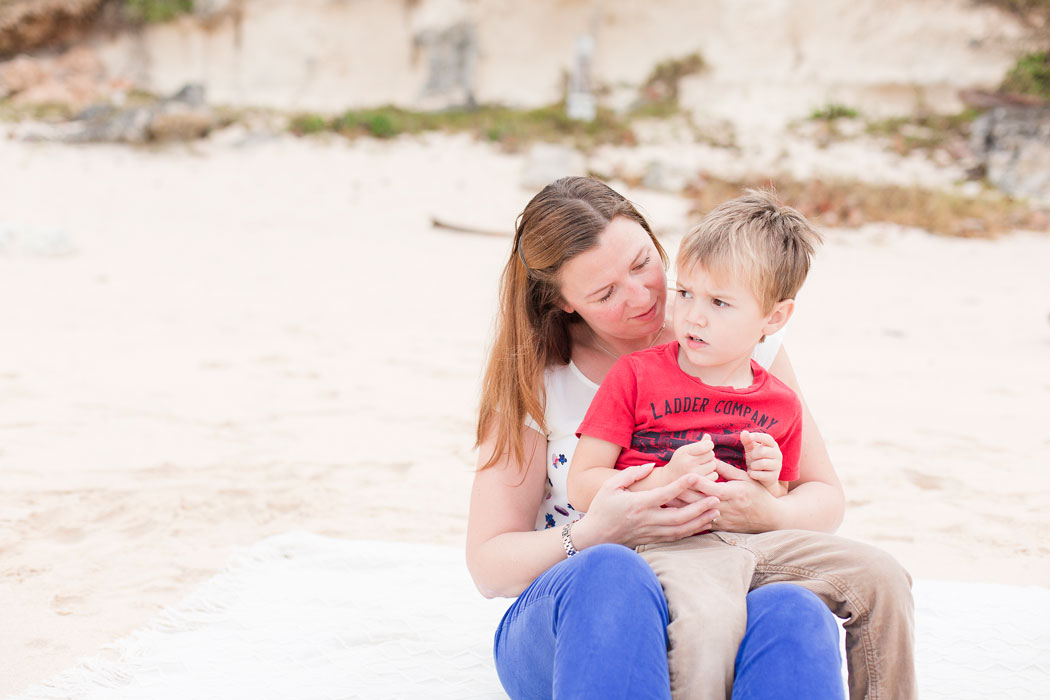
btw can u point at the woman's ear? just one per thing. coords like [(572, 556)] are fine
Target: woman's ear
[(779, 316)]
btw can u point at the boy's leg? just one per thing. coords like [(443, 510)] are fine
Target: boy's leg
[(860, 583), (592, 626), (790, 649), (705, 583)]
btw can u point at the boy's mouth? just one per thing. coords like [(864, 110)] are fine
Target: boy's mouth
[(695, 340)]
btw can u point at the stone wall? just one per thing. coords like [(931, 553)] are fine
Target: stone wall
[(768, 61), (1013, 145)]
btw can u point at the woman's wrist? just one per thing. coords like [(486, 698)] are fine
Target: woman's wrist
[(768, 513), (582, 535)]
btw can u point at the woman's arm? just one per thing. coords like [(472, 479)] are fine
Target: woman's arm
[(505, 554), (815, 502)]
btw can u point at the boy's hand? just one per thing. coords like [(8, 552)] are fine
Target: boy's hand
[(694, 458), (764, 460)]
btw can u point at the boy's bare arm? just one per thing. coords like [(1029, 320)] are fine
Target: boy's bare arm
[(594, 461), (592, 464)]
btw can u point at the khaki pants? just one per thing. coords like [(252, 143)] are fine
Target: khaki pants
[(706, 579)]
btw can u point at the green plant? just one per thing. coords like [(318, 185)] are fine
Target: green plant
[(510, 127), (47, 112), (1030, 75), (666, 75), (659, 93), (156, 10), (308, 124), (833, 111), (926, 131)]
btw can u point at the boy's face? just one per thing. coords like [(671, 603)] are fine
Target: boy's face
[(718, 321)]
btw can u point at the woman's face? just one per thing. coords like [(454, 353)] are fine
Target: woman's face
[(618, 287)]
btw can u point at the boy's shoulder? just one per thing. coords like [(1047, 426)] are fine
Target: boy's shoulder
[(656, 356), (772, 386)]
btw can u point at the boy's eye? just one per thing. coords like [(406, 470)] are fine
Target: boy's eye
[(685, 294), (719, 302)]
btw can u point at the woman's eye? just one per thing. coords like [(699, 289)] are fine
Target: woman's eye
[(643, 263), (608, 295)]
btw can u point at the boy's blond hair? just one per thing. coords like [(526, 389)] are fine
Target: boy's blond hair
[(756, 238)]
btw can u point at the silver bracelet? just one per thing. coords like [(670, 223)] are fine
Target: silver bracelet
[(566, 539)]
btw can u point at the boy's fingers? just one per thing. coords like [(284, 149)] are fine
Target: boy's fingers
[(764, 439), (702, 446)]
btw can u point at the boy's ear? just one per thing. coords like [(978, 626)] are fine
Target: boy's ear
[(779, 316)]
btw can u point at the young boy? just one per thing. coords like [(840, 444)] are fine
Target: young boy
[(684, 404), (700, 398)]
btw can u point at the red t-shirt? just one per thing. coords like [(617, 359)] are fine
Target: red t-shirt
[(648, 406)]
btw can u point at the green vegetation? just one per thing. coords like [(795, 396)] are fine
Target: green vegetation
[(514, 128), (666, 76), (308, 124), (511, 128), (1030, 75), (52, 112), (924, 132), (156, 10), (855, 203), (831, 112), (659, 92)]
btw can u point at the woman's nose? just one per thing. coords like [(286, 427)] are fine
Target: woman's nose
[(639, 293)]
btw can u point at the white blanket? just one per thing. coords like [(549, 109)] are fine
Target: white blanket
[(304, 617)]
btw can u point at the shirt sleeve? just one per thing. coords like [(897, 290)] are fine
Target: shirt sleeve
[(610, 416), (530, 422)]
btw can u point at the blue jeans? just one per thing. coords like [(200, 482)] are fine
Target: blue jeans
[(594, 626)]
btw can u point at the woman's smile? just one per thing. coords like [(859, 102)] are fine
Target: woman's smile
[(648, 315)]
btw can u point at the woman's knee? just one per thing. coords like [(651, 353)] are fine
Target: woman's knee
[(611, 571), (788, 610), (791, 649), (614, 562)]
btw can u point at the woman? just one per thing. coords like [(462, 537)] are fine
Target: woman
[(577, 293)]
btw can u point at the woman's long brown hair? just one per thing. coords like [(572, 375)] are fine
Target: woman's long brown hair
[(532, 330)]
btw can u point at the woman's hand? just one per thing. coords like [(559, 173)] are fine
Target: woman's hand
[(632, 518), (745, 505)]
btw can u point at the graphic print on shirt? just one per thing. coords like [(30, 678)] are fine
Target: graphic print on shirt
[(661, 446)]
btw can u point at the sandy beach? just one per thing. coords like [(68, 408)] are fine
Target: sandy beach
[(205, 345)]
